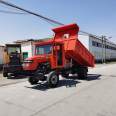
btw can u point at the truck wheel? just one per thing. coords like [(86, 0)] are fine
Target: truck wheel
[(65, 75), (82, 75), (53, 79), (32, 80), (5, 74), (5, 71)]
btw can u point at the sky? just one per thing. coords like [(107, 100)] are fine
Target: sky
[(94, 16)]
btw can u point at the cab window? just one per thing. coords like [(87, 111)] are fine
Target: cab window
[(43, 49)]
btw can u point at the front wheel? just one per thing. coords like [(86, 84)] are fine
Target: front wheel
[(53, 79), (32, 80)]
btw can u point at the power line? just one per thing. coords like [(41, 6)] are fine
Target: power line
[(30, 12), (86, 33), (11, 12), (50, 21)]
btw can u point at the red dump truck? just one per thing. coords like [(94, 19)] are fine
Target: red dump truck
[(62, 55)]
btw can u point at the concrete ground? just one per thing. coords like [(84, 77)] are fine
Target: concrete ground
[(8, 81), (93, 97)]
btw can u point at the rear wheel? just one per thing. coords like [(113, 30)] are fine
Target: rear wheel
[(82, 75), (5, 74), (5, 71), (65, 75), (53, 79), (32, 80)]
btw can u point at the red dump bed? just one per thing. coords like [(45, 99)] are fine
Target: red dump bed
[(75, 50), (72, 46)]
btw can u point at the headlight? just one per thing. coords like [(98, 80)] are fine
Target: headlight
[(28, 61)]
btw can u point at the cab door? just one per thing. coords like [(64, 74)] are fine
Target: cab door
[(57, 59)]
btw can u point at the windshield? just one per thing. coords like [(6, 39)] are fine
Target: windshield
[(14, 49), (43, 49)]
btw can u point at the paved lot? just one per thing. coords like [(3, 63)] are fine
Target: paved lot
[(93, 97), (4, 81)]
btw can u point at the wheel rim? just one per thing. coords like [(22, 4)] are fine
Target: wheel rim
[(54, 79)]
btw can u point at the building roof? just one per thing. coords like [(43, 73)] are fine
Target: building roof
[(23, 41), (107, 40), (99, 38), (30, 40), (2, 45)]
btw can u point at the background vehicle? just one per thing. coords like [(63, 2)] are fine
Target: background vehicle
[(63, 54), (12, 60), (1, 56)]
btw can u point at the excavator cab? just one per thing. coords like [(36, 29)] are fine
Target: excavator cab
[(12, 59)]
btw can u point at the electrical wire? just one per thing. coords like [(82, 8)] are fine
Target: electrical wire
[(50, 21), (11, 12), (30, 12)]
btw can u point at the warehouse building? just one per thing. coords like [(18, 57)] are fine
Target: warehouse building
[(102, 49)]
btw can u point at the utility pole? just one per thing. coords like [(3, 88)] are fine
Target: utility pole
[(105, 49), (102, 49)]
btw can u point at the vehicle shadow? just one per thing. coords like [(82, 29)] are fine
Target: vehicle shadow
[(71, 81), (16, 77), (68, 82), (91, 77), (65, 82)]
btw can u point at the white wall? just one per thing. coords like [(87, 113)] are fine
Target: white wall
[(27, 47), (84, 39)]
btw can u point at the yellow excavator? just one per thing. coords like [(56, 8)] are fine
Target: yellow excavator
[(12, 60)]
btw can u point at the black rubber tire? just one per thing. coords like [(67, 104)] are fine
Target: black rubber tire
[(15, 75), (52, 79), (32, 80), (5, 71), (65, 75), (5, 74), (82, 76)]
